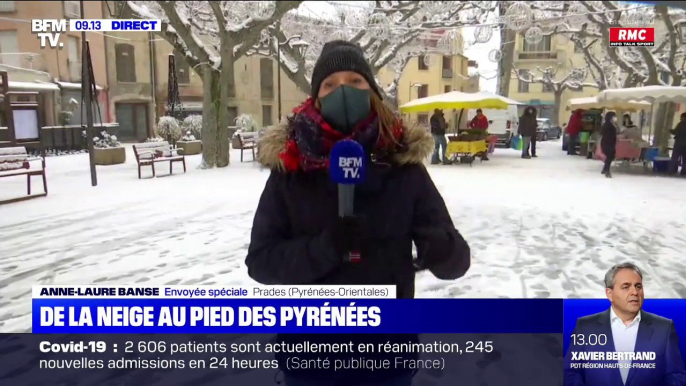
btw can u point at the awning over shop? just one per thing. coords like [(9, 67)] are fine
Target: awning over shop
[(538, 102), (32, 86)]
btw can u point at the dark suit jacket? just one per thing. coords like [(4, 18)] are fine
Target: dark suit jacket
[(655, 333)]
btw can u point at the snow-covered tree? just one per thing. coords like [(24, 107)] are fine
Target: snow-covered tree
[(557, 84), (663, 64), (193, 123), (386, 30), (212, 35), (169, 129)]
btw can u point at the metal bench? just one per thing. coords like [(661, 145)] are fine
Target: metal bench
[(149, 153), (15, 161), (248, 141)]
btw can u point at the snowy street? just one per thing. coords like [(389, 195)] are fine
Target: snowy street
[(545, 227)]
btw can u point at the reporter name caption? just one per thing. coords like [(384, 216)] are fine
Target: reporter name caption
[(214, 292), (325, 309), (324, 314)]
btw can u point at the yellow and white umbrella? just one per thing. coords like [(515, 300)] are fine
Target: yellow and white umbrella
[(458, 100)]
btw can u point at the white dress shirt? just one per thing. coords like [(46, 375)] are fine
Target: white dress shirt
[(624, 338)]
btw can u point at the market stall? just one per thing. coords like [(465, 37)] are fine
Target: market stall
[(646, 94), (593, 122), (470, 144)]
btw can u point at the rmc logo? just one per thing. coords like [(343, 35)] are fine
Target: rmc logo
[(351, 166), (632, 37)]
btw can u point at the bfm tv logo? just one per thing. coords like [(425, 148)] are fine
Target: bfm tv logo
[(632, 37)]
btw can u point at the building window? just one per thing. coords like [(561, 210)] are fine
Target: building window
[(9, 48), (7, 6), (447, 88), (578, 48), (523, 87), (421, 64), (542, 46), (423, 119), (233, 114), (125, 62), (72, 9), (423, 91), (547, 87), (447, 63), (266, 78), (183, 70), (267, 115)]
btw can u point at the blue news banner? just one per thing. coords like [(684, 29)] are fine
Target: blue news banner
[(432, 341)]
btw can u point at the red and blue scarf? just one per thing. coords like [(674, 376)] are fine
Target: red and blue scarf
[(311, 139)]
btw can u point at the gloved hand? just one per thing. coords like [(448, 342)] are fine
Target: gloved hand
[(346, 235)]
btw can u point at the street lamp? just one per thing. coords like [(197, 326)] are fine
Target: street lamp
[(271, 42), (414, 85)]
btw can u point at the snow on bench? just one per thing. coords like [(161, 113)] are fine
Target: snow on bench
[(15, 161), (148, 153)]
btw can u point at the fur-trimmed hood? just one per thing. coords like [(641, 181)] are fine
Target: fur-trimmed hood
[(272, 142)]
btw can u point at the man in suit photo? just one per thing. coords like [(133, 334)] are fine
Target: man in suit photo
[(624, 327)]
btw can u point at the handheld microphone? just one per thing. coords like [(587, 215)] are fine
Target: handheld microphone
[(347, 168)]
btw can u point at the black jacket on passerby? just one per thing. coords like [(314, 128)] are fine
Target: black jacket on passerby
[(679, 133), (608, 142), (527, 123), (438, 124)]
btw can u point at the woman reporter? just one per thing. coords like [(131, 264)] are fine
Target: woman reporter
[(297, 235)]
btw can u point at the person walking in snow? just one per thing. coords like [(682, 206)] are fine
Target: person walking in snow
[(573, 129), (297, 236), (438, 127), (527, 129), (608, 142), (679, 150)]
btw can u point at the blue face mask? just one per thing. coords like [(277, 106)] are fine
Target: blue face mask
[(345, 107)]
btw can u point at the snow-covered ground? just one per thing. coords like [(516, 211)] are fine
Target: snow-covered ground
[(545, 227)]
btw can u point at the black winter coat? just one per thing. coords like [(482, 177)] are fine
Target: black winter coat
[(679, 133), (608, 142), (528, 125), (290, 243)]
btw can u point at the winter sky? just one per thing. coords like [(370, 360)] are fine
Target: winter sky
[(478, 52)]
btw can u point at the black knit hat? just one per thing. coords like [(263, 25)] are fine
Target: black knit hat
[(340, 55)]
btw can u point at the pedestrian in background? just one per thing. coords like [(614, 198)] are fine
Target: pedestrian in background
[(527, 129), (679, 150), (438, 128), (608, 142), (573, 129)]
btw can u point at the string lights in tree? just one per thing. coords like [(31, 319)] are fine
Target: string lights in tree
[(436, 7), (379, 25), (533, 35), (494, 55), (519, 16), (483, 34)]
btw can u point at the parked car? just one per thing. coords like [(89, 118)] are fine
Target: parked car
[(546, 130)]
